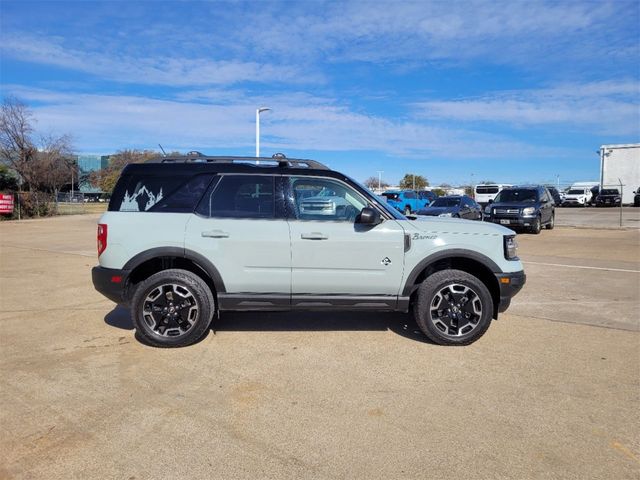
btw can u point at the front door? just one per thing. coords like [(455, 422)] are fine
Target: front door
[(239, 227), (336, 261)]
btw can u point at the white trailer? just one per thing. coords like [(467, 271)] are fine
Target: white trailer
[(620, 163)]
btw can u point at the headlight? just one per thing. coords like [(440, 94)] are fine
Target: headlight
[(487, 209), (444, 215), (528, 211), (510, 248)]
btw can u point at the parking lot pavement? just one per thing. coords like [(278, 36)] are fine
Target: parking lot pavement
[(319, 395), (598, 217)]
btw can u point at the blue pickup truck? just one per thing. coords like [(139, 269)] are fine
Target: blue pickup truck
[(409, 201)]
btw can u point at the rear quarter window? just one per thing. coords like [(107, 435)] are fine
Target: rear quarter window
[(155, 193)]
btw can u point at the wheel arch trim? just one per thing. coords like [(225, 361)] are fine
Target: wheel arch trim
[(485, 261), (200, 260)]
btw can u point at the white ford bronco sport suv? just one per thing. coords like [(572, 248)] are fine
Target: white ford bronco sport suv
[(186, 238)]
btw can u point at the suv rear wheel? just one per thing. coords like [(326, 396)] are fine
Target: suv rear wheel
[(172, 308), (453, 308), (552, 222)]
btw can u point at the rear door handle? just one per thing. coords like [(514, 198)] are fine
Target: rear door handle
[(215, 234), (313, 236)]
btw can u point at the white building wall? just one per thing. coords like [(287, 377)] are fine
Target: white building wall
[(620, 162)]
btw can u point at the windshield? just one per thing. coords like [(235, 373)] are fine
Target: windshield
[(609, 192), (576, 191), (445, 202), (519, 195)]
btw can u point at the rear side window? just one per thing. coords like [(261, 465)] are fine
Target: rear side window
[(139, 193), (487, 190), (240, 196)]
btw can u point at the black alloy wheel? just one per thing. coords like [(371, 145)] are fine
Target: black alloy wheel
[(172, 308), (453, 307)]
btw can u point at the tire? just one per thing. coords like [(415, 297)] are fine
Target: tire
[(438, 325), (407, 210), (552, 222), (536, 227), (153, 305)]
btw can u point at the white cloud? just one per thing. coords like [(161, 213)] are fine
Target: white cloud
[(157, 70), (104, 123), (611, 108)]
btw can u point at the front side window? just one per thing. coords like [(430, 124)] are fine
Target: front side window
[(240, 196), (409, 195), (324, 199)]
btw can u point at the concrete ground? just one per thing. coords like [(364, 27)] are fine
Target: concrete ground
[(551, 391), (598, 217)]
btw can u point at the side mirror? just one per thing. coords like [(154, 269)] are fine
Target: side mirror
[(490, 201), (368, 216)]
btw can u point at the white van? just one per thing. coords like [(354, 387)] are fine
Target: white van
[(484, 193), (580, 194)]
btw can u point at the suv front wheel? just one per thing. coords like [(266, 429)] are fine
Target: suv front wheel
[(453, 308), (172, 308)]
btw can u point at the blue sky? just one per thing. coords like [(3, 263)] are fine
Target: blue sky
[(509, 91)]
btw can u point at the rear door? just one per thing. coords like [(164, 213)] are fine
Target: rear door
[(240, 227), (334, 259)]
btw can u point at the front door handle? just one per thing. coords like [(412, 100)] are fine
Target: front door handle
[(215, 234), (313, 236)]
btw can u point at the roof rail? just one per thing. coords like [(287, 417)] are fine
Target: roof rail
[(278, 160)]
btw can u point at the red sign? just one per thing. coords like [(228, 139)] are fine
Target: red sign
[(6, 203)]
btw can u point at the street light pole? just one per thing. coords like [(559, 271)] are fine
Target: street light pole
[(258, 112), (380, 172)]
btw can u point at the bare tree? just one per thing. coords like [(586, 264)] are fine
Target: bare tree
[(56, 162), (16, 146), (372, 183), (40, 167)]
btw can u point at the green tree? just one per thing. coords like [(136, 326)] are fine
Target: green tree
[(8, 180), (411, 181), (106, 178)]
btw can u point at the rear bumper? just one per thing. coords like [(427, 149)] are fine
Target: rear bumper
[(510, 285), (111, 283)]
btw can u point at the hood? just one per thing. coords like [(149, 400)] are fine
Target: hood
[(435, 211), (458, 225)]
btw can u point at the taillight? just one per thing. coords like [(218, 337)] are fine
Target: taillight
[(102, 237)]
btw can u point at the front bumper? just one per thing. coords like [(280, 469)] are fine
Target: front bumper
[(511, 221), (111, 283), (510, 285)]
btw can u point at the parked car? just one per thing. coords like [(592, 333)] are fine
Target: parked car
[(486, 192), (183, 241), (529, 207), (636, 198), (608, 197), (580, 194), (458, 206), (555, 194), (408, 201)]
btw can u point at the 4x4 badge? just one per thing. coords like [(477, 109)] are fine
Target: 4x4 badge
[(386, 261)]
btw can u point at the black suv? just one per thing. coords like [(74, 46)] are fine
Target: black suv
[(608, 197), (528, 207)]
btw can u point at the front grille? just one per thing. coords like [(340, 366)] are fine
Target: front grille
[(507, 212)]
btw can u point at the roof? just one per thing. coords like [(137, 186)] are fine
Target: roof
[(195, 162)]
